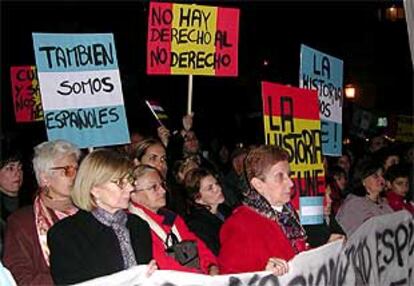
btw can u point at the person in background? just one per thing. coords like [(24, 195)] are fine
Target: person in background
[(265, 232), (26, 252), (177, 200), (11, 180), (355, 210), (207, 211), (130, 149), (234, 182), (170, 234), (101, 238), (396, 179), (152, 152), (388, 156)]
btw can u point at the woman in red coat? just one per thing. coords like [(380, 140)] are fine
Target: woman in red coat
[(264, 232), (167, 228)]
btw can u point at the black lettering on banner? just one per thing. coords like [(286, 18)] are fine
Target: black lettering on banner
[(161, 16), (299, 280), (193, 17), (95, 54), (27, 93), (81, 118), (324, 67), (399, 282), (308, 183), (234, 281), (401, 242), (411, 230), (221, 39), (322, 276), (92, 86), (269, 280)]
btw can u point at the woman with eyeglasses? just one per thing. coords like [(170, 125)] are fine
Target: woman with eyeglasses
[(174, 246), (101, 238), (26, 252), (266, 227)]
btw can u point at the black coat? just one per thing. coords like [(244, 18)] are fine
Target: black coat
[(81, 248), (207, 226)]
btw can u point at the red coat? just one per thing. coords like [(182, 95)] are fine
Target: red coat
[(248, 240), (166, 262), (398, 203)]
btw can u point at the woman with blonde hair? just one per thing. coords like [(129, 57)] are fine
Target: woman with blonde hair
[(101, 238)]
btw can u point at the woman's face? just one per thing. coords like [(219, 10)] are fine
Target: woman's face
[(210, 192), (400, 186), (344, 163), (391, 160), (341, 180), (156, 157), (375, 183), (113, 195), (327, 208), (150, 191), (11, 178), (191, 144), (276, 186), (61, 176)]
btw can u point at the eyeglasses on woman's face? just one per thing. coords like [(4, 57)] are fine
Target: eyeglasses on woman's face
[(154, 187), (68, 170), (124, 181)]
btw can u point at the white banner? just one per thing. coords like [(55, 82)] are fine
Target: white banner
[(379, 253)]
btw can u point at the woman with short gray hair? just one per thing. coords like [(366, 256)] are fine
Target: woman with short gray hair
[(26, 253)]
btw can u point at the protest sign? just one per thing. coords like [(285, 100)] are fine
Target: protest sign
[(26, 94), (324, 73), (291, 121), (192, 39), (405, 128), (380, 252), (81, 88)]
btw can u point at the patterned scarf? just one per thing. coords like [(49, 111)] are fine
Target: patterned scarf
[(45, 218), (287, 218), (117, 222)]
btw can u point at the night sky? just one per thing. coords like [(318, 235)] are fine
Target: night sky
[(375, 53)]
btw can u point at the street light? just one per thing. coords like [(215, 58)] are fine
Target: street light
[(349, 91)]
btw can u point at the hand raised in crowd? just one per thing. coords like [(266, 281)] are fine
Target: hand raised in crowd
[(163, 134), (152, 266), (277, 266), (188, 121)]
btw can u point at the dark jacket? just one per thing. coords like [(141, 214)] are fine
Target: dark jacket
[(81, 248), (207, 226)]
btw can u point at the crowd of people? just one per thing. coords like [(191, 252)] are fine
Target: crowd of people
[(165, 203)]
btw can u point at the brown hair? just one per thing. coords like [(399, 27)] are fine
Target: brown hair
[(192, 182), (143, 146), (260, 159)]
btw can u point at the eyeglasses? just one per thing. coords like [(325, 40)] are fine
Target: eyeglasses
[(69, 170), (124, 181), (154, 187)]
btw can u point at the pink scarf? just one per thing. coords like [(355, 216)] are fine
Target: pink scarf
[(45, 218)]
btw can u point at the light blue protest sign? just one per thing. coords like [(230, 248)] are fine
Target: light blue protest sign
[(81, 88), (324, 73), (311, 210)]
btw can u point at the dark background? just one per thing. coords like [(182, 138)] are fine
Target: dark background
[(375, 52)]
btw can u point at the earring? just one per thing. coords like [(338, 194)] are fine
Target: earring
[(46, 190)]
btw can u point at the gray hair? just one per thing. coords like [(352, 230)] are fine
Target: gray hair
[(47, 152)]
